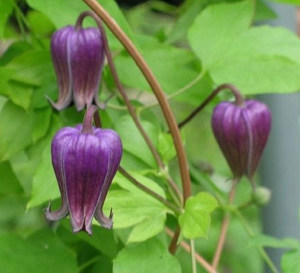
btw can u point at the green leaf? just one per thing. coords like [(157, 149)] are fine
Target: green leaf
[(216, 27), (293, 2), (63, 13), (47, 254), (269, 241), (166, 147), (174, 68), (8, 182), (41, 122), (132, 140), (290, 262), (147, 257), (39, 23), (44, 185), (259, 74), (263, 12), (15, 130), (195, 221), (32, 67), (6, 8), (19, 93), (133, 207)]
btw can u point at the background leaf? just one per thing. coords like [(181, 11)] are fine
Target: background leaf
[(147, 257)]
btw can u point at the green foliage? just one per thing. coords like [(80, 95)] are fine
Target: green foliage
[(190, 49), (134, 208), (229, 50), (195, 221), (147, 257), (41, 250)]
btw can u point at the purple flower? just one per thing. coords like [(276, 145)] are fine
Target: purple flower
[(242, 133), (85, 163), (78, 58)]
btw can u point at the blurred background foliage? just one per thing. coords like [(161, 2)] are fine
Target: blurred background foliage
[(179, 50)]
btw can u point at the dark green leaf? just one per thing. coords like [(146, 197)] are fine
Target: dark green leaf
[(48, 255), (6, 8), (8, 182), (15, 130)]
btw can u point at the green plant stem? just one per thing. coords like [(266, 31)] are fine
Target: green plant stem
[(150, 192), (177, 93), (88, 263), (250, 233), (193, 258), (20, 24), (163, 102), (187, 248), (121, 89), (224, 227), (19, 13), (238, 100)]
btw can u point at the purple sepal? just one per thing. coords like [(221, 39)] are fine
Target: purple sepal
[(78, 59), (242, 133), (85, 165)]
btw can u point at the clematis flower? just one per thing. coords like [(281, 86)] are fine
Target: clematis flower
[(85, 160), (242, 132), (78, 58)]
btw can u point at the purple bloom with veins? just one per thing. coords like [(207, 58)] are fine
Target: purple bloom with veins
[(78, 58), (85, 161), (242, 132)]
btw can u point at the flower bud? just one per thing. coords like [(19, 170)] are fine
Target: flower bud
[(242, 132), (78, 58), (84, 164), (261, 196)]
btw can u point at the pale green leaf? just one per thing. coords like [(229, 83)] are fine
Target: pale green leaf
[(195, 221), (290, 262), (259, 74), (269, 241), (63, 13), (132, 140), (42, 118), (147, 257), (216, 27)]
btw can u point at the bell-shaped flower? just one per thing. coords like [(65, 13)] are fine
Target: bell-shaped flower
[(242, 132), (78, 58), (85, 161)]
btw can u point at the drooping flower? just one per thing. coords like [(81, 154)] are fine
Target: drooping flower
[(242, 132), (85, 161), (78, 58)]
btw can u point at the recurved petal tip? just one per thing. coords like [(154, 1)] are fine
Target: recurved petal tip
[(58, 214), (60, 105), (103, 220)]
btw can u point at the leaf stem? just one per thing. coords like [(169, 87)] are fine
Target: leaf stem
[(124, 95), (224, 227), (88, 263), (194, 265), (149, 191), (260, 249), (198, 257), (166, 109), (238, 100), (178, 92)]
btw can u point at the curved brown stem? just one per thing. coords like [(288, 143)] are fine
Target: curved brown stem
[(149, 191), (224, 227), (173, 244), (198, 257), (124, 95), (143, 66), (238, 100)]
